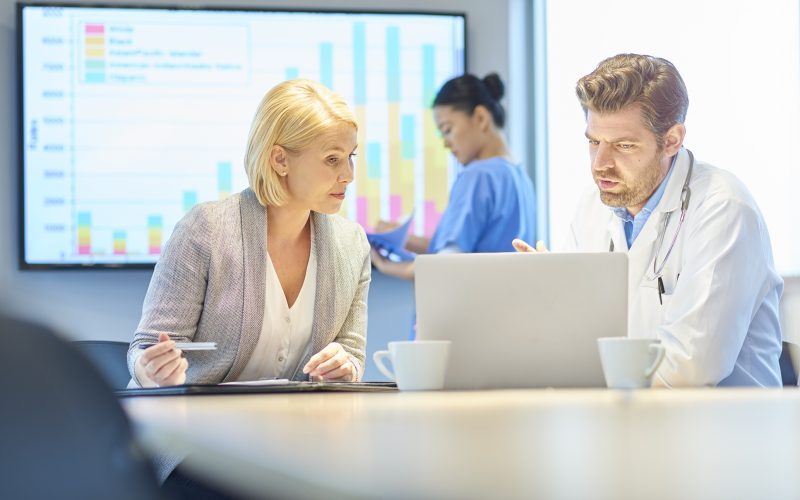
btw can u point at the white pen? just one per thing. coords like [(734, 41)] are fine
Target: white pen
[(187, 346)]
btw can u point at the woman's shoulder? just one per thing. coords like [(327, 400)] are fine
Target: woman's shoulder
[(212, 210), (494, 167), (208, 218)]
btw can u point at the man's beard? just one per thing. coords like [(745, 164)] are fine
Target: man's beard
[(635, 192)]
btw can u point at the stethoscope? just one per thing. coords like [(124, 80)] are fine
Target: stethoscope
[(658, 270)]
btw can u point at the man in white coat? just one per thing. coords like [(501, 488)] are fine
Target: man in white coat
[(701, 272)]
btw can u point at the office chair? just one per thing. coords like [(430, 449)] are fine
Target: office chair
[(63, 434), (110, 357)]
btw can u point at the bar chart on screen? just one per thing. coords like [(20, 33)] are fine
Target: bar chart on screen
[(133, 116)]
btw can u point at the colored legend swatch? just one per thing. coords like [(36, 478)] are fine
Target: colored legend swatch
[(94, 43), (155, 229), (224, 179), (120, 243), (189, 200), (84, 233)]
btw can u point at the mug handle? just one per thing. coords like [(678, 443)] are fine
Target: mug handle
[(377, 357), (659, 350)]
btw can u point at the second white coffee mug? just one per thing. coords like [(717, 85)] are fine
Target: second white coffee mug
[(629, 363), (419, 365)]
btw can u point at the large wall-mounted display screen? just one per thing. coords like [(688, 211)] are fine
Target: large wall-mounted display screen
[(131, 116)]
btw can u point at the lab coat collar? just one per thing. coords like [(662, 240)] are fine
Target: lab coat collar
[(671, 200)]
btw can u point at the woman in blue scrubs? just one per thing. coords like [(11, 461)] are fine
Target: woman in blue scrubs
[(492, 200)]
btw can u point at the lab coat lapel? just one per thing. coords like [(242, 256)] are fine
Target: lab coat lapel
[(616, 232), (643, 250)]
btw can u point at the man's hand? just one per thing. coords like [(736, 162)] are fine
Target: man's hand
[(521, 246)]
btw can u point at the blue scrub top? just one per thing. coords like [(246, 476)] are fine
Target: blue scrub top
[(491, 203)]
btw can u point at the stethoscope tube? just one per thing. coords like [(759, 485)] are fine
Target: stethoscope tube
[(686, 194)]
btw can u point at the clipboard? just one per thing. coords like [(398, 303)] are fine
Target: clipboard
[(291, 386)]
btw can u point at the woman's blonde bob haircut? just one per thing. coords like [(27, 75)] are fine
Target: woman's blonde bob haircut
[(291, 115)]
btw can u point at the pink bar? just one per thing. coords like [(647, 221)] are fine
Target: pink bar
[(155, 250), (432, 218), (84, 249), (361, 213), (395, 207), (119, 251), (95, 29)]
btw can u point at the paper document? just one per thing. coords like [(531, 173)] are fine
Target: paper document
[(267, 381), (391, 244)]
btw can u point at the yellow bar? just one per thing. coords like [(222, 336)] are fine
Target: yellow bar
[(95, 40), (435, 164), (84, 236), (361, 158), (154, 238), (395, 179)]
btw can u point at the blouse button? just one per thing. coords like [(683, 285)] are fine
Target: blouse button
[(281, 358)]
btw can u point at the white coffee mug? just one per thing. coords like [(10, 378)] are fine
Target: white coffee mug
[(419, 365), (629, 363)]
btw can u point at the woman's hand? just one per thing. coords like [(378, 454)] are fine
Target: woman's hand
[(402, 270), (384, 226), (331, 363), (161, 364)]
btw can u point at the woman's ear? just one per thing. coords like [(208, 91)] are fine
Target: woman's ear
[(279, 160), (482, 117)]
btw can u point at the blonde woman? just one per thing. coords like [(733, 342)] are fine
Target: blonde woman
[(270, 274)]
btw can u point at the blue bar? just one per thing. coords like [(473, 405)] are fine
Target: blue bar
[(292, 73), (374, 160), (189, 200), (224, 177), (360, 63), (407, 136), (84, 218), (393, 63), (326, 64), (120, 234), (155, 221), (428, 75)]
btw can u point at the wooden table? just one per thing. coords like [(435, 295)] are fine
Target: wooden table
[(550, 444)]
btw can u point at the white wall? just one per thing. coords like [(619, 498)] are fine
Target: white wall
[(106, 304)]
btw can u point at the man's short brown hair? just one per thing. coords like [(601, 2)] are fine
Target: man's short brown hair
[(632, 79)]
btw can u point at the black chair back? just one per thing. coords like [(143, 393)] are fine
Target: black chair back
[(110, 357), (62, 432)]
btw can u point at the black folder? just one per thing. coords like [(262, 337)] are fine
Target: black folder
[(285, 387)]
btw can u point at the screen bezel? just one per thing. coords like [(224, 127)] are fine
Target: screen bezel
[(23, 264)]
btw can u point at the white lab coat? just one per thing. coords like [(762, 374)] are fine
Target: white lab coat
[(719, 318)]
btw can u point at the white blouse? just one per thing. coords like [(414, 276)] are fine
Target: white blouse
[(285, 332)]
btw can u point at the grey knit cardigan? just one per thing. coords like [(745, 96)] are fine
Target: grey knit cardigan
[(209, 285)]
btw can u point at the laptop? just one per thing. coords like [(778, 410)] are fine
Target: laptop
[(522, 320)]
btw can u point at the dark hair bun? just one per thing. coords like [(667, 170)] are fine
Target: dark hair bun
[(495, 86)]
